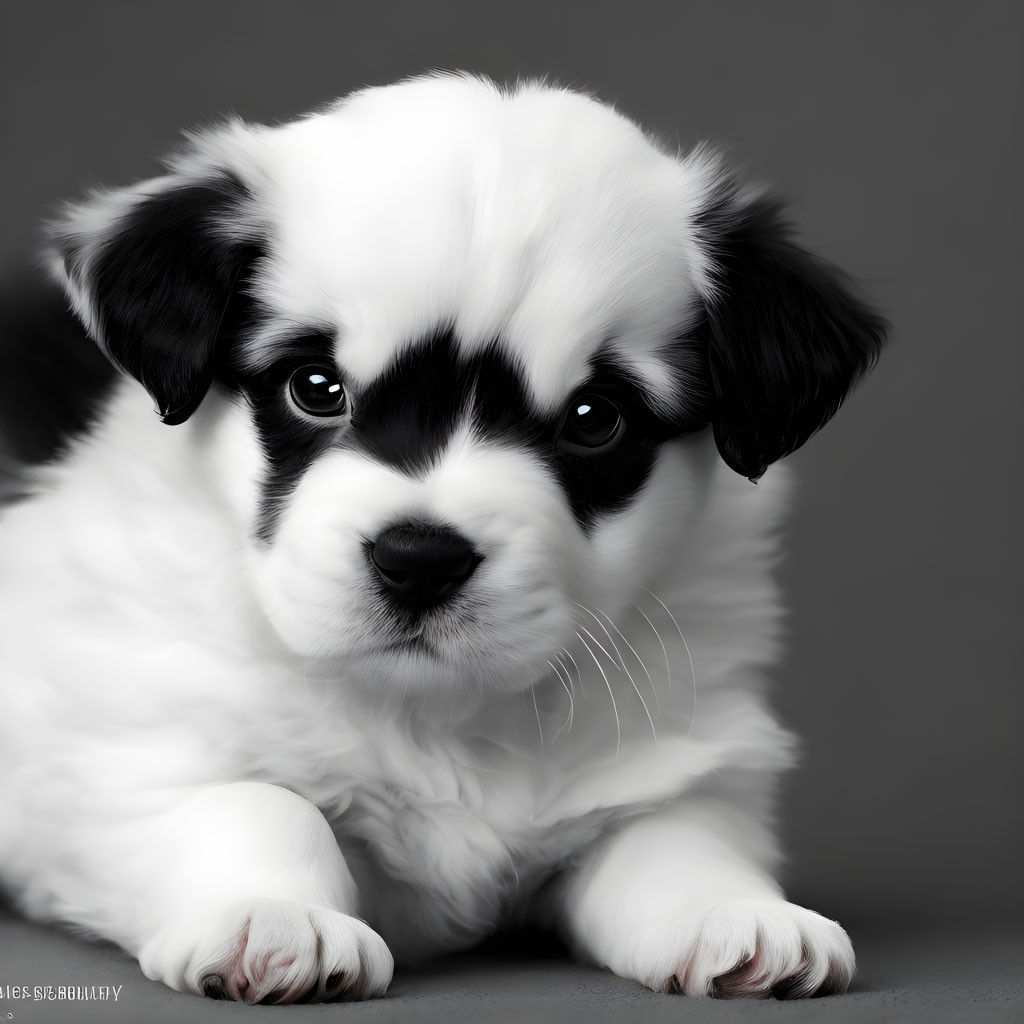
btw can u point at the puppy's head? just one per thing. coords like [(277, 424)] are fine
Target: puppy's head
[(482, 340)]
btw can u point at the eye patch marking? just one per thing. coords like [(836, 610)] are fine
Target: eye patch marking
[(407, 415), (290, 443)]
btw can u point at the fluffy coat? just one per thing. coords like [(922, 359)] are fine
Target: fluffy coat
[(226, 748)]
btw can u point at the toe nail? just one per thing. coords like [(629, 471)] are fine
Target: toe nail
[(213, 987)]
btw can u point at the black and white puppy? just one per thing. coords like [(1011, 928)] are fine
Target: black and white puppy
[(437, 596)]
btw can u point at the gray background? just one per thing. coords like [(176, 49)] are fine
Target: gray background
[(895, 129)]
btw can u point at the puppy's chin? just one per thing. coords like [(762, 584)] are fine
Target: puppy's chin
[(447, 657), (416, 668)]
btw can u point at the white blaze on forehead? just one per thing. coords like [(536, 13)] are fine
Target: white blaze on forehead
[(538, 217)]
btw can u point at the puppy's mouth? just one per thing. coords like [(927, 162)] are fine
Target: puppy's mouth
[(414, 645)]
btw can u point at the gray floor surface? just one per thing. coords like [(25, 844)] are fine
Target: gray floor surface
[(940, 978)]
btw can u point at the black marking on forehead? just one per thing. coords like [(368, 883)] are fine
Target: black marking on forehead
[(409, 413), (406, 416)]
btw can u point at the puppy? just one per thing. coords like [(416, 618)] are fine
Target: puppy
[(435, 597)]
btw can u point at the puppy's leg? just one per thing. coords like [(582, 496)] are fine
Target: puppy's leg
[(248, 897), (679, 901)]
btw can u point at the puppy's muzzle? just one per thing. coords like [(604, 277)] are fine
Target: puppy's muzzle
[(421, 566)]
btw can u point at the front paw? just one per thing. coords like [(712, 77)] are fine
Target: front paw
[(271, 951), (759, 948)]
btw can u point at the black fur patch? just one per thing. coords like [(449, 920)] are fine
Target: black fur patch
[(405, 417), (606, 481), (786, 337), (290, 442), (52, 379), (166, 287), (409, 413)]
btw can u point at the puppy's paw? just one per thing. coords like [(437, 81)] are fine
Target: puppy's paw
[(761, 948), (272, 951)]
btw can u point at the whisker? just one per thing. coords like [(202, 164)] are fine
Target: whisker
[(664, 650), (654, 688), (686, 647), (579, 674), (568, 721), (536, 711), (615, 707), (622, 665), (565, 669), (603, 649)]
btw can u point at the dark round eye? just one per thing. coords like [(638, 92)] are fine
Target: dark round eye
[(318, 390), (592, 422)]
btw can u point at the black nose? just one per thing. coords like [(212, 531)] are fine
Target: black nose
[(421, 566)]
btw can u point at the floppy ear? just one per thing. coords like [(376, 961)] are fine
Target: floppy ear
[(154, 273), (787, 338)]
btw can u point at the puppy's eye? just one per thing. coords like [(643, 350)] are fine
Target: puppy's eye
[(592, 423), (318, 390)]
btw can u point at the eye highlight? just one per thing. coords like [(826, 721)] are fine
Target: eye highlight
[(592, 423), (318, 391)]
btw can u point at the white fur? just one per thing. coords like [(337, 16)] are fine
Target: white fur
[(190, 714)]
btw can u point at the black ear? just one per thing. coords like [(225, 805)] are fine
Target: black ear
[(155, 275), (787, 338)]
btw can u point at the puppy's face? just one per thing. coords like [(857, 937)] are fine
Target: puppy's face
[(440, 522), (478, 338)]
